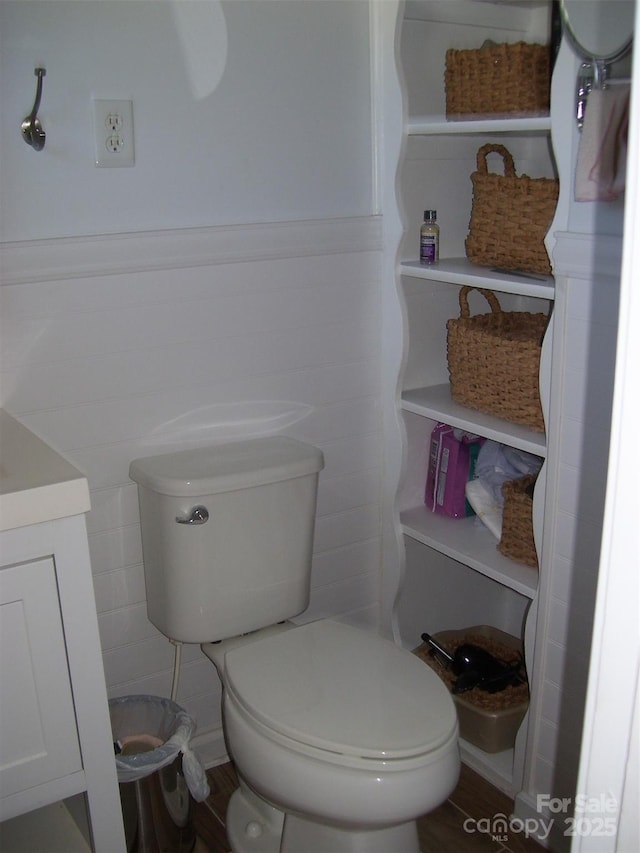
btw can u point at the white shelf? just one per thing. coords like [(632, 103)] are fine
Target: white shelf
[(439, 125), (470, 543), (461, 271), (435, 402)]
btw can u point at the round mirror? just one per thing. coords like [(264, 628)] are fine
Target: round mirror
[(599, 29)]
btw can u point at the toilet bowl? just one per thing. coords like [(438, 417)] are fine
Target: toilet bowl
[(340, 738)]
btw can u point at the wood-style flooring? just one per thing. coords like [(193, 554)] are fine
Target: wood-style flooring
[(441, 831)]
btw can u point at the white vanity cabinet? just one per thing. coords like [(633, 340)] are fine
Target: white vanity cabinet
[(55, 735), (452, 575), (39, 741)]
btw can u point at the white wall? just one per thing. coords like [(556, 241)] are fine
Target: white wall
[(264, 116), (187, 328)]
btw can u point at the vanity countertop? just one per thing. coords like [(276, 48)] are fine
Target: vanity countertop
[(36, 483)]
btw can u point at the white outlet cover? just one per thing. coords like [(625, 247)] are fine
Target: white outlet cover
[(113, 133)]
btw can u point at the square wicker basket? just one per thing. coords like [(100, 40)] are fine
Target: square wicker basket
[(501, 79)]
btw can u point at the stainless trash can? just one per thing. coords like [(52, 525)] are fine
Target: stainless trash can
[(150, 735)]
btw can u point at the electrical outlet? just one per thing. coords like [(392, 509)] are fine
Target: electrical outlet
[(113, 128)]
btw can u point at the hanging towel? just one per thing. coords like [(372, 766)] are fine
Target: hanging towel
[(602, 154)]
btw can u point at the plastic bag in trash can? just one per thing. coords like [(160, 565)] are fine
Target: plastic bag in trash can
[(136, 716)]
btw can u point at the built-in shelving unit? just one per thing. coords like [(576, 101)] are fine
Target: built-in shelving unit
[(434, 172)]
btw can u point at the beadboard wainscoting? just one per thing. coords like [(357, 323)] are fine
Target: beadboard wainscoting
[(120, 346)]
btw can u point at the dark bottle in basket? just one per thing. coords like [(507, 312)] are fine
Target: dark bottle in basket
[(475, 667)]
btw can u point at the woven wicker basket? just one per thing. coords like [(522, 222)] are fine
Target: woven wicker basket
[(498, 79), (510, 216), (517, 541), (494, 361)]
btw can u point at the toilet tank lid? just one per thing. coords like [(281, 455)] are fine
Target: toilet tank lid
[(227, 467)]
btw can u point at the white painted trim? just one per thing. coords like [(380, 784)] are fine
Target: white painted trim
[(609, 757), (376, 47), (587, 256), (390, 137), (114, 254)]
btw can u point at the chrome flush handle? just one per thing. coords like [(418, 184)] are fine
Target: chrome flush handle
[(199, 515)]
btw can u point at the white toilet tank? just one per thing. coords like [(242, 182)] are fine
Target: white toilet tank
[(227, 535)]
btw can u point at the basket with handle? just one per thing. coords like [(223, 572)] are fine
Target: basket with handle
[(494, 360), (510, 216)]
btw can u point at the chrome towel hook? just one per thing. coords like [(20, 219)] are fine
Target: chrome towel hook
[(32, 130)]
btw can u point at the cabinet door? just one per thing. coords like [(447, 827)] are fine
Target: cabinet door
[(38, 737)]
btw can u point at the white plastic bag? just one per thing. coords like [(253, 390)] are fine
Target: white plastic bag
[(140, 716)]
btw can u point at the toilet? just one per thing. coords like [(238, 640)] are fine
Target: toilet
[(340, 738)]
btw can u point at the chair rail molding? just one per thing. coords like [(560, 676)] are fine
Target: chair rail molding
[(113, 254)]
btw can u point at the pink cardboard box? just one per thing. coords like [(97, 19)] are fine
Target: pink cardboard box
[(452, 456)]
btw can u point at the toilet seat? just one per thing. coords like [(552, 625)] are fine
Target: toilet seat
[(342, 692)]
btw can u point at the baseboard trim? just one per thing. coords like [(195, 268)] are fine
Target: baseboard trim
[(210, 748), (536, 822)]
